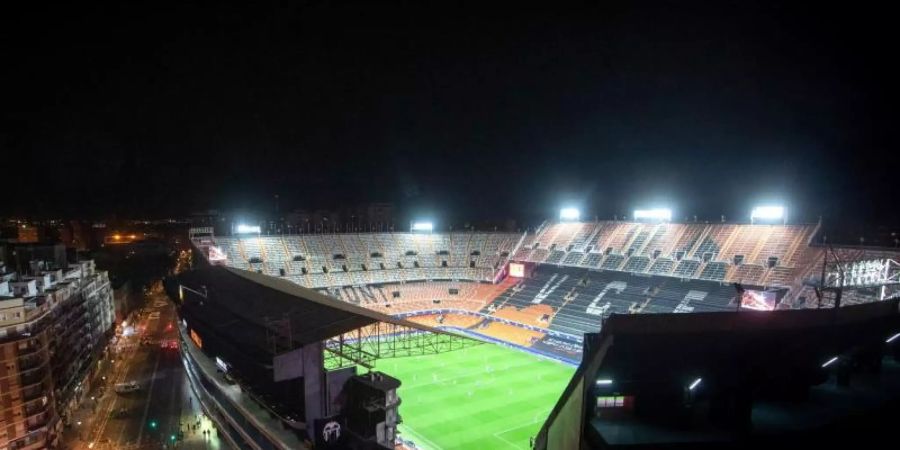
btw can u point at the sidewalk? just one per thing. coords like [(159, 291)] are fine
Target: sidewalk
[(84, 418), (199, 432), (89, 418)]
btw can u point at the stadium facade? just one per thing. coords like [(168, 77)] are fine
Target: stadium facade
[(274, 364), (545, 291)]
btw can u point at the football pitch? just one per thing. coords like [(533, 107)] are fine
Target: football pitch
[(483, 397)]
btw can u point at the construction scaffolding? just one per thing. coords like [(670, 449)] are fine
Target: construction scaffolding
[(379, 340), (852, 281)]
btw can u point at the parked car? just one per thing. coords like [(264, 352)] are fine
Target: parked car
[(130, 386)]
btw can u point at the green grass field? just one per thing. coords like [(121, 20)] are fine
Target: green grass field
[(483, 397)]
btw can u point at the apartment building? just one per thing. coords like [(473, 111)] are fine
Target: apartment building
[(54, 325)]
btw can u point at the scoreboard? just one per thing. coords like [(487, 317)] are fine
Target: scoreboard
[(517, 270)]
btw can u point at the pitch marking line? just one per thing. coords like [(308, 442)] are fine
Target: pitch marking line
[(456, 377), (497, 435), (419, 438), (516, 428), (439, 381)]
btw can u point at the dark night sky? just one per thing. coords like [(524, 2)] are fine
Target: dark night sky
[(452, 107)]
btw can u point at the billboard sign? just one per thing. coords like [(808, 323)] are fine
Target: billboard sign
[(216, 254), (759, 300), (517, 270), (196, 338)]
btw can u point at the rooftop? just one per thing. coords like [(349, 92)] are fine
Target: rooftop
[(257, 301)]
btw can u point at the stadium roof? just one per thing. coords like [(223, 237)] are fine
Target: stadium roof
[(255, 301)]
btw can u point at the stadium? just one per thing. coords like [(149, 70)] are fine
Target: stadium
[(502, 340)]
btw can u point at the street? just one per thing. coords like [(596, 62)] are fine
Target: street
[(163, 413)]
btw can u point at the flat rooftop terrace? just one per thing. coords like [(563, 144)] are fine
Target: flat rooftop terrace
[(865, 413)]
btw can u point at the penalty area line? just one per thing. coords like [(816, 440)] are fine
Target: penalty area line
[(419, 439)]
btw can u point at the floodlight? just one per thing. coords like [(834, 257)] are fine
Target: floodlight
[(246, 229), (829, 362), (605, 382), (694, 384), (569, 214), (422, 226), (891, 339), (767, 213), (654, 214)]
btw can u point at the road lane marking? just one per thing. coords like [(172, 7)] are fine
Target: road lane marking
[(119, 439), (149, 397), (117, 376)]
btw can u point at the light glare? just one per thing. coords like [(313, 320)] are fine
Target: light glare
[(243, 228), (829, 362), (569, 214), (605, 382), (656, 214), (695, 383), (891, 339), (422, 226), (767, 212)]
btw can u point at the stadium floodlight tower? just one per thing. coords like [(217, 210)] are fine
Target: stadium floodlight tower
[(569, 214), (768, 214), (422, 227), (653, 215), (248, 229)]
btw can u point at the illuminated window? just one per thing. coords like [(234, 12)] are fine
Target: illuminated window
[(611, 401), (196, 338)]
